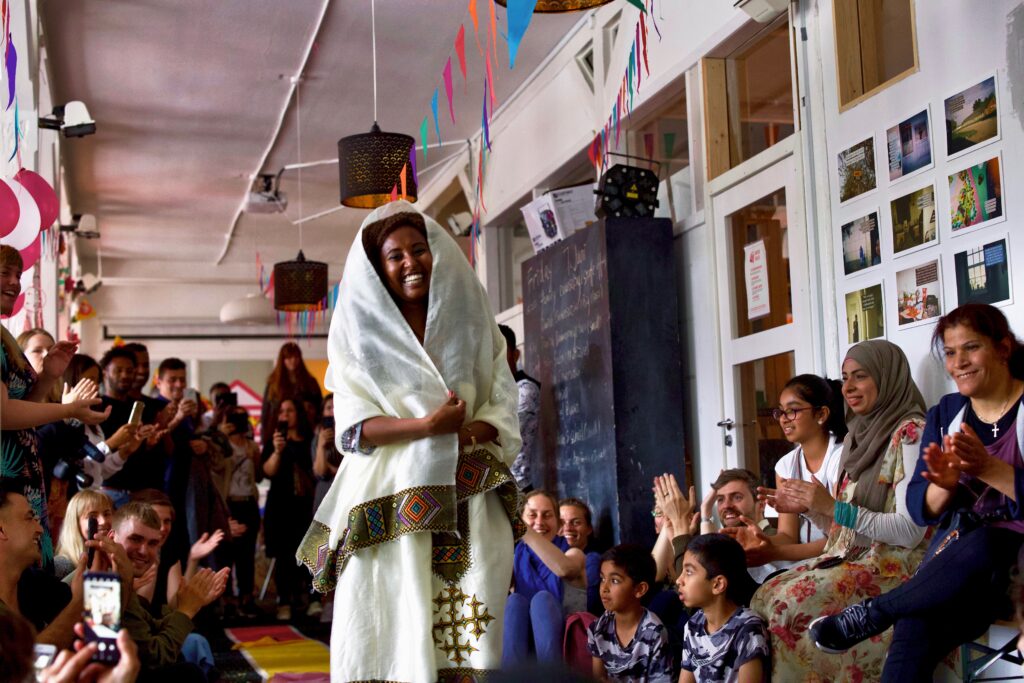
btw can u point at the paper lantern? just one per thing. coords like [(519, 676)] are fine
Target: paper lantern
[(43, 194), (9, 210), (300, 285), (555, 6), (370, 167)]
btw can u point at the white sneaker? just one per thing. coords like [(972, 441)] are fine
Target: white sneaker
[(284, 613), (315, 609)]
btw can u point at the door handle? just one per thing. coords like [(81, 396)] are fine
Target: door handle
[(727, 423)]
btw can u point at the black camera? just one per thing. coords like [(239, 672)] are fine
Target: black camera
[(226, 398), (69, 468)]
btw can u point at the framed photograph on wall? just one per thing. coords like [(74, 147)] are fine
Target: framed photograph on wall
[(914, 221), (919, 294), (976, 196), (862, 248), (972, 117), (865, 314), (983, 273), (909, 146), (856, 166)]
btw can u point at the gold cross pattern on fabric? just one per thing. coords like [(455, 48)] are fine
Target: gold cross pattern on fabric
[(460, 617)]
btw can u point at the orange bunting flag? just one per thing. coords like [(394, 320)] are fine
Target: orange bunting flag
[(490, 79), (404, 193), (476, 26), (460, 50), (494, 34)]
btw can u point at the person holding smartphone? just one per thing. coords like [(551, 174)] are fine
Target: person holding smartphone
[(326, 458), (289, 508)]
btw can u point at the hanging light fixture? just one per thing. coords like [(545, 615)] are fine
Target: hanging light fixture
[(370, 164), (555, 6), (300, 285)]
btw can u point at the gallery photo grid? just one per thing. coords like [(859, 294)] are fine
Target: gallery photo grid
[(925, 233)]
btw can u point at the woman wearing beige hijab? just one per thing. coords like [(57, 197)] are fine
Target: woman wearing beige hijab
[(873, 543)]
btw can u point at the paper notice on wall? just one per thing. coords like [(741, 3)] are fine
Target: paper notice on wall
[(755, 274)]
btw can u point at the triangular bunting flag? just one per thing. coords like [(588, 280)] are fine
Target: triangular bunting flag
[(460, 51), (520, 12), (433, 108), (447, 75)]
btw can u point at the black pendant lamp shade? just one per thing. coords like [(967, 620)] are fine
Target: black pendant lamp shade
[(370, 166), (554, 6), (299, 285)]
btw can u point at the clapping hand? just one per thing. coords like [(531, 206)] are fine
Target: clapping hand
[(970, 452), (206, 544), (943, 467), (83, 391), (811, 495), (755, 543), (202, 589), (780, 498), (57, 358), (678, 511)]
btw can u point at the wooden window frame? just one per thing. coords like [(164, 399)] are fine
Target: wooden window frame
[(850, 62)]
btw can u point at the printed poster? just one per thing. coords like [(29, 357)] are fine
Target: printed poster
[(918, 293), (976, 196), (755, 274), (972, 117), (909, 146), (913, 221), (857, 170), (861, 246), (865, 314), (983, 274)]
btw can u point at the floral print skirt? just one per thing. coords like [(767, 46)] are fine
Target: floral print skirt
[(792, 600)]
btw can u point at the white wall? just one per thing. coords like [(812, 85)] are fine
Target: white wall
[(959, 43)]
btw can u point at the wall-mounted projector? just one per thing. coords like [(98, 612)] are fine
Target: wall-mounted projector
[(762, 11), (265, 197)]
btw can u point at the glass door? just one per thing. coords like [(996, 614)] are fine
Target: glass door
[(763, 289)]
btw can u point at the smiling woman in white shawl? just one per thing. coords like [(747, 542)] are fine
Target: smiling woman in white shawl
[(416, 533)]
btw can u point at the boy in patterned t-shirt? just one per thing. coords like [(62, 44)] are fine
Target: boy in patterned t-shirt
[(628, 643), (723, 642)]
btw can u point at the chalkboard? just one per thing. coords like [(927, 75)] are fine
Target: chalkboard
[(601, 335)]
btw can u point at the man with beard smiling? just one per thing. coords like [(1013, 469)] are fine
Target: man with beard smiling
[(734, 496)]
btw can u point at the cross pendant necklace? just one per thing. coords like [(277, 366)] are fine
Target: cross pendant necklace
[(995, 430), (1002, 411)]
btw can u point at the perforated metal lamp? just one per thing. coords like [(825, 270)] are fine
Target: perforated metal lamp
[(370, 166), (300, 285), (555, 6)]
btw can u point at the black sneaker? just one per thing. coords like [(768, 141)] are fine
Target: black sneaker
[(840, 632)]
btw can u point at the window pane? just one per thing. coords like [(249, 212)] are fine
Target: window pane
[(760, 259), (665, 139), (760, 94), (760, 383)]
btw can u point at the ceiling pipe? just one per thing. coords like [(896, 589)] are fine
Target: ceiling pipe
[(277, 130)]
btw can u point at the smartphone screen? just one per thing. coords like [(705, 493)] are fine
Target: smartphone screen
[(191, 395), (282, 427), (93, 526), (328, 422), (136, 417), (102, 614), (43, 655)]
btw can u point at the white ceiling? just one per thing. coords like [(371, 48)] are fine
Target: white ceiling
[(186, 96)]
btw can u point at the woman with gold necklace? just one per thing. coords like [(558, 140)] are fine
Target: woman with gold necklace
[(970, 482)]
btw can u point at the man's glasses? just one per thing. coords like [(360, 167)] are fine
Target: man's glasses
[(790, 413)]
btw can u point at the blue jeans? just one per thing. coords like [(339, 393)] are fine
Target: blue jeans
[(532, 625), (196, 650)]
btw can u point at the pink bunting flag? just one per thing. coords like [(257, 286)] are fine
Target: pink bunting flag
[(448, 87), (476, 26), (460, 51), (394, 193)]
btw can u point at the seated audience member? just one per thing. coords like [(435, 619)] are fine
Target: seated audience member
[(810, 414), (575, 527), (243, 504), (873, 544), (167, 574), (82, 507), (628, 642), (137, 528), (549, 582), (44, 601), (671, 511), (723, 641), (734, 496), (529, 410), (969, 481)]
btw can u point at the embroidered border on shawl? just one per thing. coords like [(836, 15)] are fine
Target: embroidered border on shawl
[(417, 509), (462, 675)]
